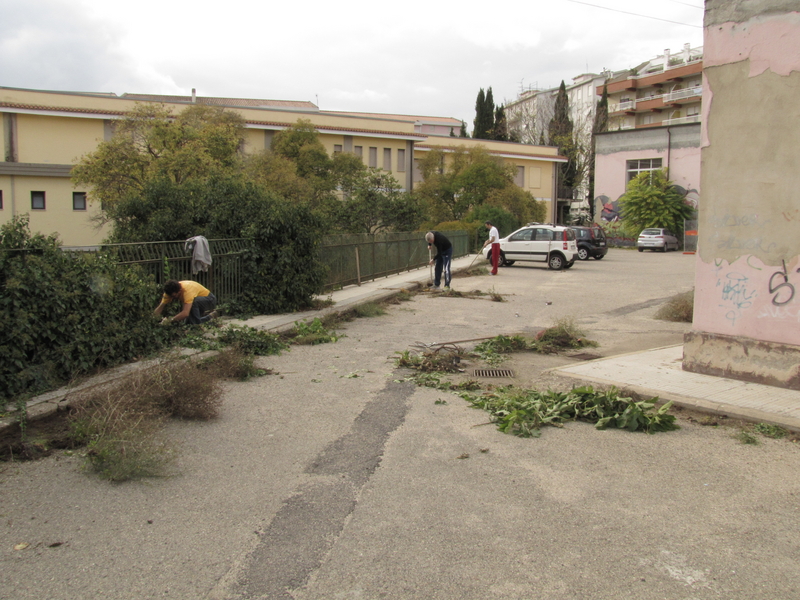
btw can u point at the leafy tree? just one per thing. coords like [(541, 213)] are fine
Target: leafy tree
[(151, 144), (458, 180), (499, 217), (373, 202), (519, 203), (560, 133), (463, 133), (652, 200)]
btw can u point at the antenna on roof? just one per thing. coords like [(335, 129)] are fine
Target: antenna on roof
[(317, 97)]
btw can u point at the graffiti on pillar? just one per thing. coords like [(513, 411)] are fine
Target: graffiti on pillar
[(737, 294), (781, 288)]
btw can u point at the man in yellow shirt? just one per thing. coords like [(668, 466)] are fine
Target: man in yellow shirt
[(197, 302)]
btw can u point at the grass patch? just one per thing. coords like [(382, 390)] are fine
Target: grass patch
[(369, 309), (770, 431), (232, 363), (120, 424), (312, 333), (745, 437), (678, 309)]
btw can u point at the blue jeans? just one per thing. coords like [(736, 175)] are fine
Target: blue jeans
[(200, 306), (443, 260)]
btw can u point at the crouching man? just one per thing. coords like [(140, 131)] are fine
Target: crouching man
[(197, 302)]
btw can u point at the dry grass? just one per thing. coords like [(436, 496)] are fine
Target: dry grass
[(678, 309), (121, 423)]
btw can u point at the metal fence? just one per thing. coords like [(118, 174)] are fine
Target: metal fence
[(353, 258), (173, 260), (350, 258)]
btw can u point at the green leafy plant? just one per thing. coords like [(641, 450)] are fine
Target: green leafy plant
[(652, 200), (494, 351), (563, 335), (524, 412), (250, 340), (305, 333), (771, 431)]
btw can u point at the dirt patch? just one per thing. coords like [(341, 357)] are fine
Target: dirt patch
[(41, 437)]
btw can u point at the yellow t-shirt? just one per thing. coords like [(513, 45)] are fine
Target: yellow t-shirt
[(190, 290)]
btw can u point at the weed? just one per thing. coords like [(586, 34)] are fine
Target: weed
[(771, 431), (745, 437), (492, 351), (472, 272), (120, 423), (312, 333), (319, 304), (369, 309), (435, 361), (678, 309), (523, 412), (232, 363), (496, 297), (440, 401), (563, 335), (250, 340)]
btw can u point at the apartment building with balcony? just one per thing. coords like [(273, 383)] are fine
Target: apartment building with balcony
[(654, 113)]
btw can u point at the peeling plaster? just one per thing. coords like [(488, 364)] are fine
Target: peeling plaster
[(769, 42)]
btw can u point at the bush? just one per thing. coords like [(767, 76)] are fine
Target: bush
[(66, 314), (679, 309)]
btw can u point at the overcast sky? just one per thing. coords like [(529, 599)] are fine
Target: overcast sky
[(410, 57)]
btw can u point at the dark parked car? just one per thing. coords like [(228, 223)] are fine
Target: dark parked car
[(591, 242)]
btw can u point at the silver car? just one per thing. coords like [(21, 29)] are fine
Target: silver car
[(657, 239)]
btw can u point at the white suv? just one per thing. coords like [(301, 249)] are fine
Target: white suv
[(554, 245)]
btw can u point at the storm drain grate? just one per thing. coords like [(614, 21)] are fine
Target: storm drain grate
[(493, 373)]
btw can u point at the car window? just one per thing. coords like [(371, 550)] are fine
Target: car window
[(598, 233), (522, 236), (581, 233), (570, 234), (544, 235), (651, 232)]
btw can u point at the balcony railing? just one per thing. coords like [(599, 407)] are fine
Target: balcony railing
[(682, 120), (686, 93)]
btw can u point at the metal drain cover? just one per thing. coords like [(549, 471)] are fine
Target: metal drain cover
[(493, 373)]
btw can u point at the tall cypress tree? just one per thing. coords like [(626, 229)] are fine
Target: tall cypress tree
[(478, 123), (463, 133), (560, 134), (500, 126)]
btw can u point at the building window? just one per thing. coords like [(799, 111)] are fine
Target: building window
[(520, 177), (1, 199), (387, 159), (337, 148), (401, 161), (78, 200), (373, 157), (359, 150), (37, 201), (640, 166)]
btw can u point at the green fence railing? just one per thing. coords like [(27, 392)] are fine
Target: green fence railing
[(354, 258)]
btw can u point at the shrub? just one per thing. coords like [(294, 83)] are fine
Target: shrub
[(679, 309), (66, 314)]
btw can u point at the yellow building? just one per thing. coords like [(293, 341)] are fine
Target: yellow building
[(45, 133)]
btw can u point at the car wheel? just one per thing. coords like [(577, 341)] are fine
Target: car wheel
[(599, 256), (583, 254), (569, 265), (641, 249), (665, 248), (555, 262)]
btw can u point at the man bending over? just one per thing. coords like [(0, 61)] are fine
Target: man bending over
[(197, 302)]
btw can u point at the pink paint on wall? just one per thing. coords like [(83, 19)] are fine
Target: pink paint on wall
[(748, 298), (769, 42)]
